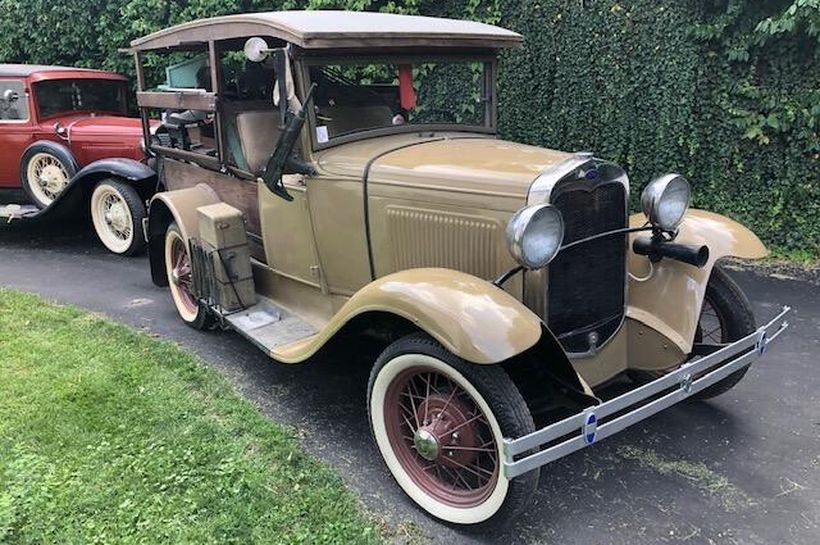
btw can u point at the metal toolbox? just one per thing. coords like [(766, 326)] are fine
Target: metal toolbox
[(226, 279)]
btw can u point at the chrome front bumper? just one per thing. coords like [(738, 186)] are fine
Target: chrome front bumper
[(610, 417)]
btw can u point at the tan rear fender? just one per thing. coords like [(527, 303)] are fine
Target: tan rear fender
[(173, 206), (470, 317), (669, 299)]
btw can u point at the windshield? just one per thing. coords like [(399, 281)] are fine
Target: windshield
[(85, 95), (351, 98)]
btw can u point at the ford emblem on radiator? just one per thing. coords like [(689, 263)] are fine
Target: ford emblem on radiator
[(590, 428), (592, 174)]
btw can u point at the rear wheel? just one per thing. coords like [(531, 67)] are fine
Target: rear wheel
[(726, 317), (45, 172), (180, 280), (439, 423), (117, 212)]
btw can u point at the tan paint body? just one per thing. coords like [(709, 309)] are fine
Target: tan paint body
[(317, 258), (670, 300), (438, 204), (183, 206), (467, 316)]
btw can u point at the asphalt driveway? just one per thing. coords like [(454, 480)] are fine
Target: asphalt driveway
[(743, 468)]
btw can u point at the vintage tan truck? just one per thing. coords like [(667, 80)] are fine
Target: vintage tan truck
[(334, 183)]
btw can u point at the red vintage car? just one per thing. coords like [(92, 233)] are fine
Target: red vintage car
[(67, 141)]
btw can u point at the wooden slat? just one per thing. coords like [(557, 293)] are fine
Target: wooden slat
[(238, 193), (178, 100), (146, 131), (203, 160), (140, 72), (216, 78)]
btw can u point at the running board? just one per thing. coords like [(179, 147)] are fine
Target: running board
[(10, 212), (269, 326)]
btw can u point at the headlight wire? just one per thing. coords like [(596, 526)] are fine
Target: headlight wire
[(498, 282)]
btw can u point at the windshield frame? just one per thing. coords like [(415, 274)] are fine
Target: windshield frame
[(123, 89), (488, 58)]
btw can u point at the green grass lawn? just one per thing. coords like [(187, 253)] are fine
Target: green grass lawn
[(109, 436)]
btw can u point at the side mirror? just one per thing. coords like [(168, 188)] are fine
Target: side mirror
[(10, 95), (283, 159), (256, 49)]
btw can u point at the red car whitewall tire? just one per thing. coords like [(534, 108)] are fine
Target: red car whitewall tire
[(117, 212), (45, 171)]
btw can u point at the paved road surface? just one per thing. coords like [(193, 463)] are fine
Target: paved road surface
[(744, 468)]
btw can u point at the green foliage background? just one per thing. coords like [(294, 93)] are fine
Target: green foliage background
[(726, 92)]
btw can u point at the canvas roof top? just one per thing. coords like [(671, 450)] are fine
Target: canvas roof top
[(335, 29)]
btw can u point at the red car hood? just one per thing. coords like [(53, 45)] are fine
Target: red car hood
[(103, 125)]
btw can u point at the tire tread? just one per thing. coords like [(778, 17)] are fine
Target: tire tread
[(724, 292)]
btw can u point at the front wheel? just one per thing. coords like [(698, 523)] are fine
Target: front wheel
[(726, 317), (180, 280), (117, 212), (439, 423)]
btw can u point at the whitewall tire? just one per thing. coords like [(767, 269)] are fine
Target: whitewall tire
[(439, 423), (180, 280), (117, 212), (45, 174)]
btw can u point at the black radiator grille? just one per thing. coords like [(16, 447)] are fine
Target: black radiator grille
[(585, 292)]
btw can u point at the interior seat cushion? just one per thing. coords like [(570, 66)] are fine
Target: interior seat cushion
[(258, 132)]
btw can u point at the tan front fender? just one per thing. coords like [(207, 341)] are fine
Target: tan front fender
[(173, 206), (669, 301), (470, 317)]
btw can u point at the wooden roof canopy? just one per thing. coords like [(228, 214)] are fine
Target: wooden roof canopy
[(335, 29)]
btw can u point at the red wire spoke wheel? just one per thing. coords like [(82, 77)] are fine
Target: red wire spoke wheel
[(439, 423), (441, 437), (180, 280)]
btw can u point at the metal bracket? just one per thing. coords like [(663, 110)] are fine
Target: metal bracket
[(762, 341), (590, 431), (686, 383)]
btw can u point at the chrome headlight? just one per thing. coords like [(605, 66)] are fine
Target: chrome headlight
[(535, 234), (666, 200)]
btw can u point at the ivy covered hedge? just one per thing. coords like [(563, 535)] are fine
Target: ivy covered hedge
[(726, 92)]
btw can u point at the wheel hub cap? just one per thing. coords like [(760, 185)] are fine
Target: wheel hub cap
[(426, 444), (115, 216), (51, 178), (450, 425)]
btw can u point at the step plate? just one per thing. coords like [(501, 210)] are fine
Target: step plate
[(12, 211), (269, 326)]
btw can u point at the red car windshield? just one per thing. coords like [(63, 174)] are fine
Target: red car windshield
[(86, 95)]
